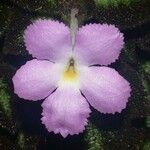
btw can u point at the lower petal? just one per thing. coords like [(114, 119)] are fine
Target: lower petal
[(65, 111), (105, 89)]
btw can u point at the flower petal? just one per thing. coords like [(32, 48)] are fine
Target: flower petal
[(36, 79), (105, 89), (98, 44), (47, 39), (65, 111)]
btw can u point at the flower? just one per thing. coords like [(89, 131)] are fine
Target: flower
[(60, 73)]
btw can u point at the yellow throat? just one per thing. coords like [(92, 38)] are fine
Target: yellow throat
[(71, 73)]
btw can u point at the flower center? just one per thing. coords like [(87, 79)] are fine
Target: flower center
[(70, 73)]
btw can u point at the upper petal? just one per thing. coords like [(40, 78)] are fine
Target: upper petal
[(47, 39), (36, 79), (105, 89), (65, 111), (98, 44)]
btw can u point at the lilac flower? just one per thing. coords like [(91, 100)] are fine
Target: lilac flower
[(66, 65)]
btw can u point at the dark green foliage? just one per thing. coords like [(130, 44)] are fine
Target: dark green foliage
[(146, 145), (25, 142), (93, 138), (5, 18), (107, 3), (127, 14), (123, 16), (5, 103), (148, 121)]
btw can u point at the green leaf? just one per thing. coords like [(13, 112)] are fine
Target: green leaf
[(5, 98), (107, 3), (93, 138)]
